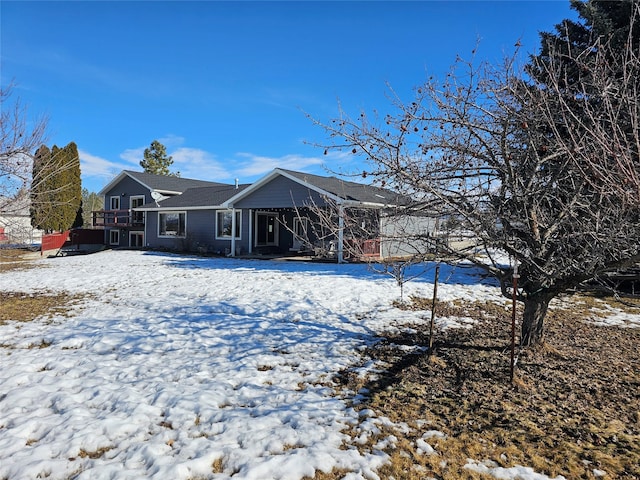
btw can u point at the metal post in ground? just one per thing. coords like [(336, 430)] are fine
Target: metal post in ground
[(433, 308), (513, 320)]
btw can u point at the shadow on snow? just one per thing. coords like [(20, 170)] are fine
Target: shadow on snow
[(460, 274)]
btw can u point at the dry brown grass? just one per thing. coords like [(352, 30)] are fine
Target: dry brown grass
[(15, 258), (95, 453), (572, 408), (25, 307)]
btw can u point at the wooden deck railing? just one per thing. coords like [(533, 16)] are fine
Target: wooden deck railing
[(117, 218)]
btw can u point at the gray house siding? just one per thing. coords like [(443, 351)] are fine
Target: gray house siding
[(200, 234), (400, 235), (280, 193), (124, 190), (268, 215)]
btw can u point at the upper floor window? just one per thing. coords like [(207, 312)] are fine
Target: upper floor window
[(172, 224), (224, 223), (114, 203), (135, 202)]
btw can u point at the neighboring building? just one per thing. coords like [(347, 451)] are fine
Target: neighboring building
[(15, 221), (279, 214)]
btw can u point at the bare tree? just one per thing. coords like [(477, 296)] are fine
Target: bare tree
[(488, 148), (19, 138)]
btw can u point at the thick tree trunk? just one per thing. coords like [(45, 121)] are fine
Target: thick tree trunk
[(535, 310)]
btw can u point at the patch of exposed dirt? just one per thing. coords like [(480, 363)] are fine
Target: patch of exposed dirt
[(18, 259), (572, 410), (25, 307)]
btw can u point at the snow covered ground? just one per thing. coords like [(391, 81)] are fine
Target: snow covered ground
[(177, 367)]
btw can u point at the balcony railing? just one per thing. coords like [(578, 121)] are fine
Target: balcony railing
[(117, 218)]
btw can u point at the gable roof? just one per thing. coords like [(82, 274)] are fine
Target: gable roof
[(164, 184), (339, 190), (197, 198)]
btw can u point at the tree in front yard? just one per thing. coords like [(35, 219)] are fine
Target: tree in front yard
[(594, 69), (56, 191), (521, 163), (157, 161), (20, 136)]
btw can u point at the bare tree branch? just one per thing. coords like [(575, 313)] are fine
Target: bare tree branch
[(521, 167)]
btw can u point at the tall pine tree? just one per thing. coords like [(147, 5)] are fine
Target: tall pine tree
[(605, 27), (592, 66), (157, 161)]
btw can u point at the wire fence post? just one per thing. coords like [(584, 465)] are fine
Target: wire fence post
[(513, 320), (433, 308)]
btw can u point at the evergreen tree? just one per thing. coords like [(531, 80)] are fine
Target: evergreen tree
[(56, 191), (73, 186), (605, 27), (40, 201), (157, 161), (592, 66), (91, 202), (79, 221)]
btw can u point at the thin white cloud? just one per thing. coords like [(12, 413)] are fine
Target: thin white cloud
[(200, 164), (98, 169), (133, 156), (253, 165), (171, 141), (196, 163)]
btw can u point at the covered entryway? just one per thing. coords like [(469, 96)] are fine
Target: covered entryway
[(267, 232)]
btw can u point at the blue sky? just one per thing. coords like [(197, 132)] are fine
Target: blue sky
[(225, 85)]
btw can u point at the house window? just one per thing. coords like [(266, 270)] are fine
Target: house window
[(223, 224), (114, 203), (172, 224), (114, 237), (137, 217), (136, 239)]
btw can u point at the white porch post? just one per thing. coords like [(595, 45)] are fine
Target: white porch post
[(233, 232), (250, 239), (340, 234)]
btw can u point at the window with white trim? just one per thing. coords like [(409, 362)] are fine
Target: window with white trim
[(135, 202), (114, 237), (114, 203), (224, 225), (172, 224)]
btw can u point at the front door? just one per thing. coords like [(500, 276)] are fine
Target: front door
[(266, 229)]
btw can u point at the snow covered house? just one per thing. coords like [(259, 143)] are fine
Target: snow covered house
[(284, 212)]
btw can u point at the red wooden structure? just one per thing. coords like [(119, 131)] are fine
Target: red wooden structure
[(54, 241)]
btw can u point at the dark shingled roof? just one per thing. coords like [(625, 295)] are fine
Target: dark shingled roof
[(168, 183), (351, 190), (211, 196)]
